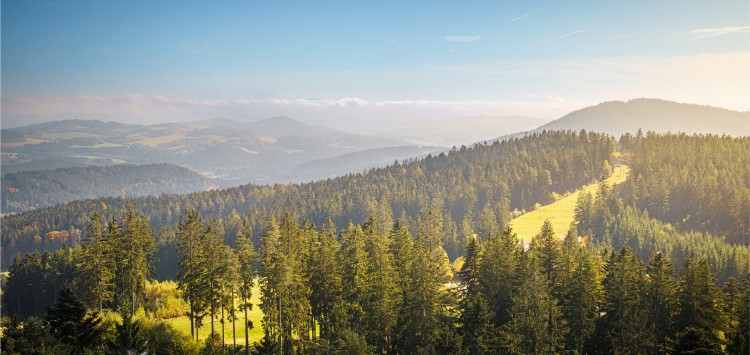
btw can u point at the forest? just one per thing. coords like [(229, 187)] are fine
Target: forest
[(36, 189), (413, 258)]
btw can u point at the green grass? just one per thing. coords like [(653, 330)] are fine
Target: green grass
[(560, 212), (255, 315)]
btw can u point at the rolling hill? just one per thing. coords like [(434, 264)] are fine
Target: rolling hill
[(28, 190), (265, 151), (618, 117)]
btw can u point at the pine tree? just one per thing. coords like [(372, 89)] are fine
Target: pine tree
[(354, 268), (623, 329), (537, 325), (498, 274), (246, 256), (700, 302), (380, 299), (95, 265), (284, 290), (326, 299), (581, 290), (70, 323), (661, 300), (475, 319), (737, 303), (133, 246), (421, 321), (191, 273)]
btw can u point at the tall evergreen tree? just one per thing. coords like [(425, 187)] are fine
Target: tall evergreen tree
[(476, 320), (191, 273), (498, 274), (581, 290), (70, 322), (661, 300), (326, 299), (537, 325), (95, 265), (700, 302), (381, 292), (354, 269), (246, 256), (284, 290), (623, 329), (133, 245)]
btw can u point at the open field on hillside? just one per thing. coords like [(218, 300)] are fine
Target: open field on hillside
[(255, 315), (560, 212)]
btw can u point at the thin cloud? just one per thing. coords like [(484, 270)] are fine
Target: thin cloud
[(523, 16), (561, 37), (463, 38), (718, 31)]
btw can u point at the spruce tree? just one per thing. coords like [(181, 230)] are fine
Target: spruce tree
[(537, 325), (326, 299), (381, 292), (700, 303), (623, 328), (95, 265), (246, 256), (498, 274), (71, 324), (661, 300), (475, 319)]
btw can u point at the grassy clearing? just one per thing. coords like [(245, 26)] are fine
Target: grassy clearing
[(157, 141), (560, 212), (255, 315)]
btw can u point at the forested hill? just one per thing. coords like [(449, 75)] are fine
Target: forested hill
[(468, 186), (36, 189), (618, 117)]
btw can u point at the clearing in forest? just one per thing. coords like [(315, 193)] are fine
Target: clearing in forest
[(560, 212)]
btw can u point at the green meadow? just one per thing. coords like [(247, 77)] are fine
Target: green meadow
[(560, 212)]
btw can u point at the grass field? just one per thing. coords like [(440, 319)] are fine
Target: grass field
[(255, 315), (560, 212)]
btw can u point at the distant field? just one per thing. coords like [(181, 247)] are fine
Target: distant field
[(560, 212), (255, 315), (156, 141), (100, 145)]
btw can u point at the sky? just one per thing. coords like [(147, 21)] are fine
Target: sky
[(375, 61)]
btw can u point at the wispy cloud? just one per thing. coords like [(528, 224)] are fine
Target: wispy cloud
[(524, 16), (463, 38), (718, 31), (561, 37)]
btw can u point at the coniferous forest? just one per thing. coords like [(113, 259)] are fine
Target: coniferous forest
[(416, 257)]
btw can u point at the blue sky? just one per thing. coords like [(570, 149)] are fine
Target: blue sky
[(146, 61)]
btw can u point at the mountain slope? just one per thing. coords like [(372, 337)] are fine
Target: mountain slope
[(480, 184), (263, 152), (358, 161), (618, 117), (37, 189)]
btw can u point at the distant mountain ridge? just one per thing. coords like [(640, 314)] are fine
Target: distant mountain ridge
[(618, 117), (359, 161), (38, 189), (264, 151)]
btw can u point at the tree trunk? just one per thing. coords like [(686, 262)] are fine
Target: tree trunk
[(234, 329), (244, 302), (223, 341)]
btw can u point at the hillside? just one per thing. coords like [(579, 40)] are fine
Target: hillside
[(474, 184), (36, 189), (618, 117), (265, 151), (358, 161), (559, 213)]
